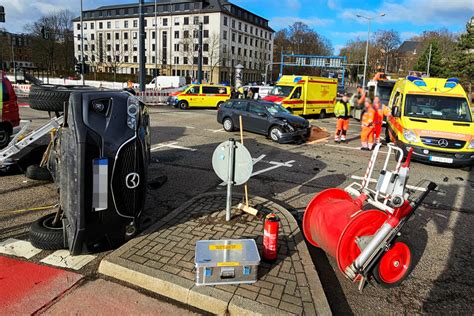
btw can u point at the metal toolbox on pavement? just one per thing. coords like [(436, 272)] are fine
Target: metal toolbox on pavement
[(226, 261)]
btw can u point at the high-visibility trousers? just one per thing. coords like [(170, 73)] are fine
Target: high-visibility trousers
[(367, 136), (378, 131), (342, 126)]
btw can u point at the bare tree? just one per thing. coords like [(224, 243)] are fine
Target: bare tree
[(214, 52), (187, 48), (387, 41)]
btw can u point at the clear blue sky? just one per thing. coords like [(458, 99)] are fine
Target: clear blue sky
[(334, 19)]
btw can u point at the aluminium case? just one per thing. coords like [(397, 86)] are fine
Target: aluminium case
[(232, 261)]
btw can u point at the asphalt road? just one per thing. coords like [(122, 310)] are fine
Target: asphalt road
[(183, 142)]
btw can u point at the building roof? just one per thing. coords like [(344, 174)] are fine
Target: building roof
[(409, 47), (175, 7)]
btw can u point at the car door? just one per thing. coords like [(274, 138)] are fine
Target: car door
[(257, 117), (239, 108)]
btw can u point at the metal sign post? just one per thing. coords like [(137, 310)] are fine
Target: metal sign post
[(233, 164)]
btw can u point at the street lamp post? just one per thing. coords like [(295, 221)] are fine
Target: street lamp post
[(156, 44), (82, 49), (369, 19)]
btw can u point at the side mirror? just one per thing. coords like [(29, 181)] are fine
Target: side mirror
[(395, 111)]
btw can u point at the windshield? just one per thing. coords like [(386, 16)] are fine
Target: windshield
[(274, 108), (438, 108), (183, 88), (281, 91), (384, 93)]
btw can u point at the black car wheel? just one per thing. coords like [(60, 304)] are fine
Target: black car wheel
[(35, 172), (45, 235), (228, 124), (275, 133), (219, 104), (322, 114), (4, 137), (52, 97), (183, 105)]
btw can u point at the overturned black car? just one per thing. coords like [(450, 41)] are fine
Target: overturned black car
[(263, 117)]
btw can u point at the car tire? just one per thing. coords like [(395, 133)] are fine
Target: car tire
[(275, 133), (228, 125), (219, 104), (44, 236), (51, 98), (5, 135), (35, 172), (322, 114), (183, 105)]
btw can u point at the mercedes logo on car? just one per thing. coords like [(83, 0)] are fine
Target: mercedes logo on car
[(132, 180), (443, 143)]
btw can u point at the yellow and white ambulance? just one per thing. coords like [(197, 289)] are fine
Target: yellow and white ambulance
[(432, 116), (305, 95)]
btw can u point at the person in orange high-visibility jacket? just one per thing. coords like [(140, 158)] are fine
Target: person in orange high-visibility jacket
[(342, 111), (378, 119), (367, 126)]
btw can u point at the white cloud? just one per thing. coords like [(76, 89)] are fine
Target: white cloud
[(333, 4), (350, 35), (283, 22), (418, 12), (294, 5)]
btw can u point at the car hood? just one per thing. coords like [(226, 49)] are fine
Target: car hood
[(440, 128), (295, 121), (273, 98)]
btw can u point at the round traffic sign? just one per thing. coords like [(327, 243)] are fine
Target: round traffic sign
[(243, 162)]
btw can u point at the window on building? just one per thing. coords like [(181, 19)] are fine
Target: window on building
[(125, 59), (233, 50), (245, 40), (164, 52), (92, 37), (125, 24), (176, 21), (233, 23), (239, 51), (196, 20), (196, 47), (195, 34), (135, 48), (240, 38), (251, 29), (176, 34), (117, 47), (135, 23), (117, 36), (245, 28), (176, 47), (205, 47), (186, 21), (153, 35), (250, 53), (206, 34), (78, 26), (233, 37), (92, 25), (101, 25), (240, 26), (224, 35), (109, 59), (85, 26), (205, 61), (109, 25), (125, 35), (109, 47), (176, 60), (206, 19), (245, 52), (92, 58), (225, 21), (92, 48), (165, 21), (135, 35), (108, 36), (135, 59), (125, 47), (185, 60), (186, 34), (195, 60)]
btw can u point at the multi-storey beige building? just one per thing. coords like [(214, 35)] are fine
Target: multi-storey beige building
[(232, 36)]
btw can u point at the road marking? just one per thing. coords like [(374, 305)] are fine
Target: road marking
[(18, 248), (221, 130), (349, 147), (171, 145), (190, 127), (255, 160), (63, 258)]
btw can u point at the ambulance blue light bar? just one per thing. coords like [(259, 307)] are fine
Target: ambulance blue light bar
[(451, 82), (417, 81)]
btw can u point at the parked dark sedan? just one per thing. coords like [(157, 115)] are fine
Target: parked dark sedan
[(263, 117)]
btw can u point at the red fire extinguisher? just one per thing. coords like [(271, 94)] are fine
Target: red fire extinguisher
[(270, 237)]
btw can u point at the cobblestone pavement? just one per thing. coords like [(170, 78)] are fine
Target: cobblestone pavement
[(166, 252)]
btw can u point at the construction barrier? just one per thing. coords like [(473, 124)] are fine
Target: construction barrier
[(22, 90), (155, 97)]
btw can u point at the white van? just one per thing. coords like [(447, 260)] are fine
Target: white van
[(259, 92), (166, 82)]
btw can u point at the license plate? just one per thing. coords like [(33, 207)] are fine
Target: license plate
[(100, 186), (441, 159)]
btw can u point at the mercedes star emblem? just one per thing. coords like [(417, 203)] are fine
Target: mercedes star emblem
[(132, 180), (443, 143)]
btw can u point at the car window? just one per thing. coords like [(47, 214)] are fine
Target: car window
[(257, 108), (297, 93), (240, 105), (4, 92), (193, 90), (210, 90)]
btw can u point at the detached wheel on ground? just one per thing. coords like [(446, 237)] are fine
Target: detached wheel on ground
[(51, 98), (275, 133), (35, 172), (228, 125), (183, 105), (4, 136), (44, 235), (395, 265)]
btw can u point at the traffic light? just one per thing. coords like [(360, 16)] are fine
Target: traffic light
[(78, 68), (2, 14)]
